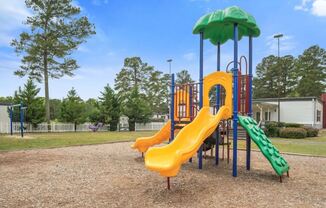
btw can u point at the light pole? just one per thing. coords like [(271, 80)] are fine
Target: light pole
[(278, 36), (169, 61)]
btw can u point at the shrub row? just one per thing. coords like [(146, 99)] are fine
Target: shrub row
[(291, 132), (311, 132), (273, 129)]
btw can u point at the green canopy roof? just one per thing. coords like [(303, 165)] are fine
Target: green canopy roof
[(218, 26)]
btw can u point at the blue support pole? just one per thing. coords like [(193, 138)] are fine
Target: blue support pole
[(190, 107), (201, 75), (21, 111), (235, 100), (218, 105), (172, 108), (248, 141), (11, 117)]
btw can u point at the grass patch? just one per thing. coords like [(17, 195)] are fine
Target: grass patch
[(52, 140), (309, 145)]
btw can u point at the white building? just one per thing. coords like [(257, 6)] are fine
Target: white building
[(4, 119), (303, 110)]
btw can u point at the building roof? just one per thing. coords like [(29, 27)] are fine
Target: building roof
[(286, 99)]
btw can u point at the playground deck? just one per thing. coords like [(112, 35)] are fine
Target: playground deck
[(113, 175)]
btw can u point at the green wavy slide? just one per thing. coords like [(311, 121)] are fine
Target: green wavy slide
[(264, 144)]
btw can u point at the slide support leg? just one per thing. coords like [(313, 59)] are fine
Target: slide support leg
[(168, 183)]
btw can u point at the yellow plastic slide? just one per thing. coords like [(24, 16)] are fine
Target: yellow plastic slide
[(143, 143), (167, 159)]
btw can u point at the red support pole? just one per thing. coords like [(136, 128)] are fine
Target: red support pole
[(247, 94), (239, 90)]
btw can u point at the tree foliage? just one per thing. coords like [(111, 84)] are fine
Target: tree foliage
[(56, 30), (55, 109), (311, 72), (137, 78), (34, 113), (137, 109), (109, 107), (157, 92), (72, 108), (275, 77), (134, 74), (183, 77), (289, 76)]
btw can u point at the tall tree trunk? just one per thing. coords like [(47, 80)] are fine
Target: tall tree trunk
[(46, 87), (46, 79), (132, 125)]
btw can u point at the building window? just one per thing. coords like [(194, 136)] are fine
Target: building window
[(266, 116), (258, 116), (318, 115)]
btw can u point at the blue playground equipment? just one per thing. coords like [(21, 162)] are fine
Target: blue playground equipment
[(21, 108)]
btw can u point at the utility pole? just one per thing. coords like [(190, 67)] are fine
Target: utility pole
[(278, 36)]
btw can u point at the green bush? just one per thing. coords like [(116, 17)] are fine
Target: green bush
[(311, 132), (296, 133), (272, 129), (280, 124), (293, 125)]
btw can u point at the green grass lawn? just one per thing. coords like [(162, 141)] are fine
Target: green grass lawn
[(51, 140), (313, 146)]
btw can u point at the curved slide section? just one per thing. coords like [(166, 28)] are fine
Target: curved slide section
[(264, 144), (168, 159), (143, 143)]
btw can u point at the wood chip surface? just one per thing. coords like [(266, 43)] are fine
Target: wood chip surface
[(113, 175)]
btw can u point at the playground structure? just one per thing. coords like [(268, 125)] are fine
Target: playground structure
[(202, 124), (11, 109), (95, 128)]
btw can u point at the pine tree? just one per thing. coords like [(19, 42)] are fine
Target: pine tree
[(136, 109), (34, 112), (311, 72), (109, 107), (134, 74), (183, 77), (157, 92), (92, 111), (72, 108), (275, 77), (56, 30), (132, 87)]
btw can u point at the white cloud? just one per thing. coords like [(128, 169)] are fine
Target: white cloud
[(189, 56), (12, 15), (315, 7), (287, 44), (319, 8), (304, 5)]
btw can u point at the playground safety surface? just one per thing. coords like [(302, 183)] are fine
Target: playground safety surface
[(113, 175)]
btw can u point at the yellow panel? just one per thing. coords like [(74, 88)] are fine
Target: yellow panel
[(218, 78)]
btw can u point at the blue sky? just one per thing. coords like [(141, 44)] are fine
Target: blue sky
[(157, 30)]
